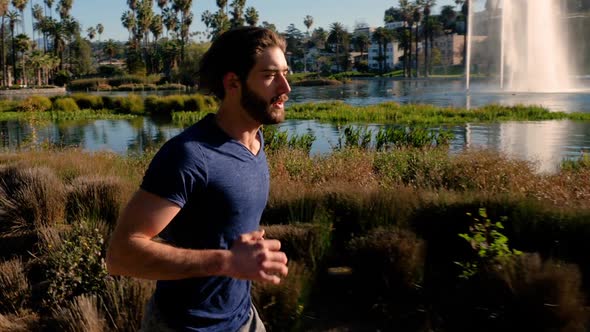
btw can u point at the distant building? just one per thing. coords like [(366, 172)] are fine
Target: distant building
[(392, 54)]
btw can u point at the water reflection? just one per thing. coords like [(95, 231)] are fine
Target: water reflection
[(545, 142), (442, 92)]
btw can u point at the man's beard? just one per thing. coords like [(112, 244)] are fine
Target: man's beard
[(261, 110)]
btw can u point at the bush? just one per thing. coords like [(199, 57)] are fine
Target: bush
[(86, 84), (132, 104), (86, 101), (76, 266), (34, 104), (65, 104)]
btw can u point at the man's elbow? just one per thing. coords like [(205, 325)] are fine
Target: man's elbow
[(114, 261)]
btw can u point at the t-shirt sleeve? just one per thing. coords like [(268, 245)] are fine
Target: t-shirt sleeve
[(176, 172)]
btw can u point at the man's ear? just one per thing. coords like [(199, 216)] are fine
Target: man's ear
[(231, 82)]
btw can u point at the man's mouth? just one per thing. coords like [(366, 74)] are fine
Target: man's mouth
[(279, 101)]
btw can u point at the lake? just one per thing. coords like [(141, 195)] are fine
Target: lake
[(545, 142)]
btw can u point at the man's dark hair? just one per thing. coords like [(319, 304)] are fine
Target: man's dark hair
[(234, 51)]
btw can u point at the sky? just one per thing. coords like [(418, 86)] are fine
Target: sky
[(280, 12)]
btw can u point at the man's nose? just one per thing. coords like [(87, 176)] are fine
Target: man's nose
[(284, 86)]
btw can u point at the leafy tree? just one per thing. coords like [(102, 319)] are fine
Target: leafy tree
[(269, 26), (448, 16), (393, 14), (319, 37), (110, 48), (81, 57)]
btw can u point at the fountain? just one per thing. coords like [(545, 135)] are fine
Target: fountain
[(533, 51)]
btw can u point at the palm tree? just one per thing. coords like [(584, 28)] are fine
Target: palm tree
[(128, 21), (338, 38), (170, 19), (4, 4), (465, 11), (110, 48), (48, 5), (427, 29), (186, 18), (237, 13), (251, 16), (417, 17), (99, 30), (378, 37), (23, 44), (308, 22), (20, 5), (64, 7), (13, 19), (91, 32)]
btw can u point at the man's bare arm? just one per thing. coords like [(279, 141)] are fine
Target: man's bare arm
[(133, 252)]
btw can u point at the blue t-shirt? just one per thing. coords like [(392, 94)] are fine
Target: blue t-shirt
[(222, 189)]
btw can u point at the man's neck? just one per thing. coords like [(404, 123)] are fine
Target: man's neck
[(240, 127)]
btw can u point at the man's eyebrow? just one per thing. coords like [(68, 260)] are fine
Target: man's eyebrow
[(274, 70)]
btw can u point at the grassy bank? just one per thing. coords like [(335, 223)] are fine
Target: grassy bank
[(372, 236), (424, 114), (94, 106)]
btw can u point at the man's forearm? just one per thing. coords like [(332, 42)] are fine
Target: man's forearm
[(148, 259)]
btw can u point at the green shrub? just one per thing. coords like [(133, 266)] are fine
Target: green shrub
[(34, 104), (132, 104), (86, 101), (87, 84), (65, 104), (195, 103), (76, 266)]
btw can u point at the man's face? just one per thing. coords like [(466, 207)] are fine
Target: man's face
[(265, 91)]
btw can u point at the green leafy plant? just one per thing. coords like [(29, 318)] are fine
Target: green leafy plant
[(76, 266), (490, 245)]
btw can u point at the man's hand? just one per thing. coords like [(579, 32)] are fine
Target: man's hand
[(254, 258)]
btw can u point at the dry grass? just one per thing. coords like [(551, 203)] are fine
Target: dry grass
[(81, 315), (280, 306), (21, 322), (544, 295), (14, 285), (30, 198), (95, 198), (124, 300)]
